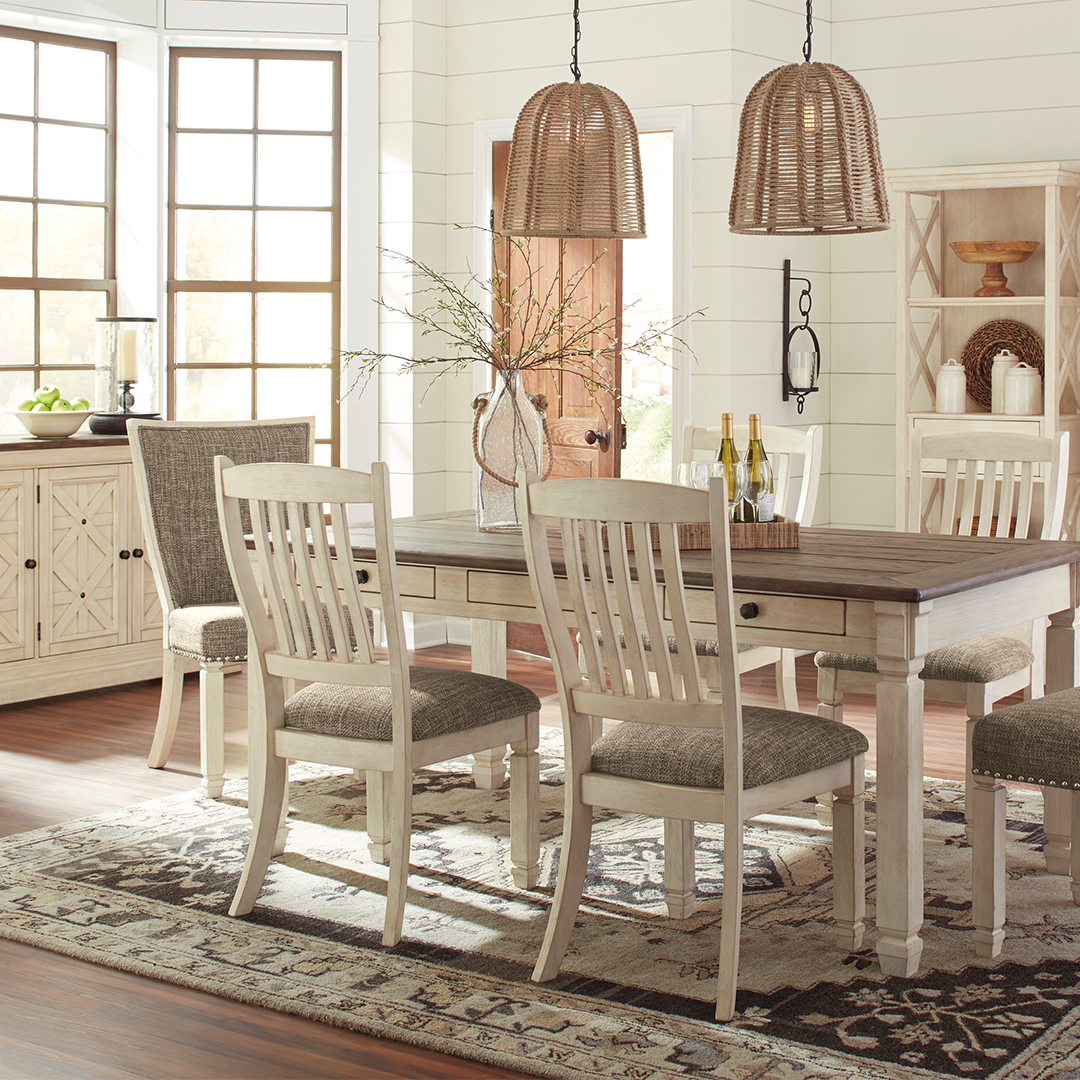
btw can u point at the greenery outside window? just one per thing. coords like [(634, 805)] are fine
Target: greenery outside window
[(57, 211), (255, 237)]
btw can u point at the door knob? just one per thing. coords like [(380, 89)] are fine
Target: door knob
[(30, 564), (601, 437), (125, 554), (749, 611)]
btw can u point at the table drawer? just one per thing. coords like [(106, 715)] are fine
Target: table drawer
[(810, 614), (412, 580)]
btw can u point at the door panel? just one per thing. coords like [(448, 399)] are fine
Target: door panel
[(17, 581), (147, 621)]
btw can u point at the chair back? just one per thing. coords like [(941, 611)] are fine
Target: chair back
[(962, 503), (305, 611), (782, 445), (609, 591), (174, 480)]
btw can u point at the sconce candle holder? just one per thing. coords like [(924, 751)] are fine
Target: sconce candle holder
[(800, 370)]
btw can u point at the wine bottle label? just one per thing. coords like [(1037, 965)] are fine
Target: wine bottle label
[(766, 507)]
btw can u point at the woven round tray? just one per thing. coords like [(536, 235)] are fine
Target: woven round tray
[(981, 348)]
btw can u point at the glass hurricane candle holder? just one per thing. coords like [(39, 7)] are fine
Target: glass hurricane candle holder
[(126, 372)]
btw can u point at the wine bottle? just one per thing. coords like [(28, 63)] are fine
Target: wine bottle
[(759, 480), (728, 456)]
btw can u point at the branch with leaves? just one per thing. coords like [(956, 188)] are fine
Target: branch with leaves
[(531, 326)]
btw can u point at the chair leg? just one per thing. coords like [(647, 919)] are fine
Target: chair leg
[(1075, 856), (378, 815), (212, 727), (787, 696), (266, 787), (731, 920), (979, 704), (830, 706), (577, 834), (849, 863), (988, 865), (679, 876), (172, 689), (400, 849), (525, 805), (489, 768)]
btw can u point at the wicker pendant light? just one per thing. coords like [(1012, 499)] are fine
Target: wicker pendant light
[(575, 167), (808, 160)]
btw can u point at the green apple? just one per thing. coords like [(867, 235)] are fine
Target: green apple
[(41, 407), (27, 405), (62, 405), (80, 404), (47, 395)]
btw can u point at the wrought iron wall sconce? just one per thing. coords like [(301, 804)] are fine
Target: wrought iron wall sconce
[(800, 370)]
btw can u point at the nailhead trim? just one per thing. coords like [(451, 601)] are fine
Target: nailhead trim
[(1029, 780)]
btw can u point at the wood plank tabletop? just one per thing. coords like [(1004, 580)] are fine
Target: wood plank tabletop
[(848, 563)]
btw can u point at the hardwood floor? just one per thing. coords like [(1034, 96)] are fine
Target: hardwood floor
[(69, 757)]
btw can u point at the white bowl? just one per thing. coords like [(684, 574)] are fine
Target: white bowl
[(53, 425)]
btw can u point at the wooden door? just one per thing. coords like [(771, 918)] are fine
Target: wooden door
[(145, 615), (82, 591), (572, 411), (17, 580)]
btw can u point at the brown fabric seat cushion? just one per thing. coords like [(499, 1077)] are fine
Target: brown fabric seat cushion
[(1037, 742), (776, 745), (980, 660), (443, 701), (209, 633)]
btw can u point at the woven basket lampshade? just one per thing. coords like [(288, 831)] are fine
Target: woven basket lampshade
[(808, 159), (575, 168)]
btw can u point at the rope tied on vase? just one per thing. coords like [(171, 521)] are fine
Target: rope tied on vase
[(540, 403)]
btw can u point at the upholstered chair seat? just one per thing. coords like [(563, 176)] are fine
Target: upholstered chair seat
[(209, 633), (1035, 742)]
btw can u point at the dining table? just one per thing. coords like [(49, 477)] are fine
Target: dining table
[(891, 595)]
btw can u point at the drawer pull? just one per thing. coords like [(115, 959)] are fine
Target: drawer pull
[(362, 577), (137, 552), (30, 564), (125, 554), (748, 611)]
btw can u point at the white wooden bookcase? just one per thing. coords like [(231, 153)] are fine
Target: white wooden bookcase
[(936, 311)]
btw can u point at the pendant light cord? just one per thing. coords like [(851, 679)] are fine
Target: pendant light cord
[(809, 33), (574, 69)]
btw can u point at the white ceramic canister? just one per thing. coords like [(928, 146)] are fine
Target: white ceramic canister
[(1023, 391), (1002, 362), (951, 388)]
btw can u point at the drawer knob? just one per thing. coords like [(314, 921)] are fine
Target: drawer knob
[(137, 552), (362, 577), (30, 564), (125, 554), (748, 611)]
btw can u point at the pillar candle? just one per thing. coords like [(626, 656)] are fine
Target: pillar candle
[(127, 365)]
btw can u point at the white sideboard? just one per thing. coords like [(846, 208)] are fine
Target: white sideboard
[(78, 606)]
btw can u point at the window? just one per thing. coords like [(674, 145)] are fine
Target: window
[(254, 237), (57, 210)]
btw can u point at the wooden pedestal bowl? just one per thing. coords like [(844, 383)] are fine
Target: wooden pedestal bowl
[(993, 253)]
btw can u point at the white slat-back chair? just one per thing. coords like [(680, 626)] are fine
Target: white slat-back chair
[(385, 718), (978, 672), (788, 450), (677, 754)]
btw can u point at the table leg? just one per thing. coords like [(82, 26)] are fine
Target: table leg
[(489, 658), (899, 789), (1062, 667)]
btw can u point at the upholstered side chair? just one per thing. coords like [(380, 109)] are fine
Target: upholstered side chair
[(174, 479), (949, 496), (387, 718), (1035, 742), (676, 753)]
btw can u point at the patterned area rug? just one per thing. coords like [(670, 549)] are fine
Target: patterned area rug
[(146, 889)]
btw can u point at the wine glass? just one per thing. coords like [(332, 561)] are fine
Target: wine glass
[(759, 478), (736, 484), (696, 474)]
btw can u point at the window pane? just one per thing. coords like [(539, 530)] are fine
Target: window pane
[(214, 92), (16, 326), (213, 395), (68, 327), (293, 245), (293, 328), (16, 76), (214, 169), (17, 160), (71, 85), (74, 383), (213, 245), (213, 328), (71, 163), (71, 241), (16, 239), (294, 170), (295, 393), (15, 387), (296, 94)]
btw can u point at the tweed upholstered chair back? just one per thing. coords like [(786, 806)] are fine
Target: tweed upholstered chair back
[(174, 475)]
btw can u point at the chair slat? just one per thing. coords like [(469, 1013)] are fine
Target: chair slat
[(600, 597), (634, 651), (967, 502), (1023, 509), (326, 581), (305, 577), (346, 579), (652, 605), (1007, 498), (680, 618), (949, 493), (988, 502)]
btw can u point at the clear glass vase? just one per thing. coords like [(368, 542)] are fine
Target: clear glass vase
[(508, 435)]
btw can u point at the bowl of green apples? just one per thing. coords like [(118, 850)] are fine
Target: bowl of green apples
[(49, 415)]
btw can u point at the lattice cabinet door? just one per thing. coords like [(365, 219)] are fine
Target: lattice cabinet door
[(83, 595), (147, 621), (18, 565)]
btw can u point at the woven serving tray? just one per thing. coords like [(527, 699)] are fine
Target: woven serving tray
[(981, 348), (779, 533)]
